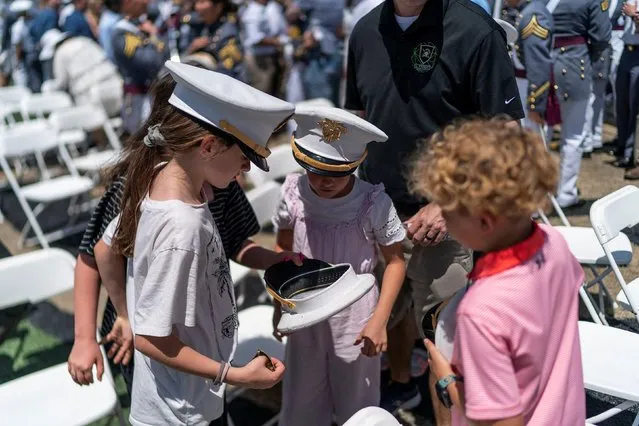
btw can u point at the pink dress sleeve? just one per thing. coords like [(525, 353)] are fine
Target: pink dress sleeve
[(482, 356), (284, 217)]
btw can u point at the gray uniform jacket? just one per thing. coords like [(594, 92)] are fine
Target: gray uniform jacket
[(533, 48), (138, 57), (590, 20)]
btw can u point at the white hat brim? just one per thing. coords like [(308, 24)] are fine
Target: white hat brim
[(511, 32), (345, 297)]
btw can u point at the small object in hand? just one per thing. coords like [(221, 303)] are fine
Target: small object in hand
[(269, 362)]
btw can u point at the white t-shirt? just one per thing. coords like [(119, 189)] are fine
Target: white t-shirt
[(405, 21), (182, 285)]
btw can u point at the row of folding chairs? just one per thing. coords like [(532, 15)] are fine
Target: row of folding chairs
[(608, 353)]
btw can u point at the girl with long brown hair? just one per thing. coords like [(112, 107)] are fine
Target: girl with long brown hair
[(185, 314)]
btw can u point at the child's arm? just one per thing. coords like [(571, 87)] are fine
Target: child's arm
[(112, 269), (374, 334), (85, 351), (255, 256), (172, 352)]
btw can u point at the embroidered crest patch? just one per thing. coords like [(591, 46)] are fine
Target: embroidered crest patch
[(331, 130), (605, 5), (424, 57)]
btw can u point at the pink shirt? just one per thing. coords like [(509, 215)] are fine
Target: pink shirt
[(516, 338)]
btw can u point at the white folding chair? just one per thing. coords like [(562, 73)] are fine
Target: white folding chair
[(263, 200), (37, 138), (13, 94), (255, 332), (281, 163), (609, 216), (49, 396), (40, 104), (85, 118), (609, 363), (585, 246)]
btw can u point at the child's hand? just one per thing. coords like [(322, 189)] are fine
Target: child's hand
[(439, 365), (121, 337), (629, 9), (84, 354), (284, 256), (277, 315), (255, 374), (374, 338)]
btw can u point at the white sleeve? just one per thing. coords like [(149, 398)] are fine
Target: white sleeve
[(168, 296), (109, 232), (282, 218), (253, 33), (385, 223)]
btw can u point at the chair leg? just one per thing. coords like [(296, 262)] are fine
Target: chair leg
[(27, 226), (597, 317)]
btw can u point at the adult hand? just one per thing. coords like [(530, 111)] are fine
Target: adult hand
[(535, 117), (374, 338), (84, 354), (629, 9), (284, 256), (256, 375), (148, 27), (427, 227), (121, 338), (309, 41), (198, 44), (439, 365)]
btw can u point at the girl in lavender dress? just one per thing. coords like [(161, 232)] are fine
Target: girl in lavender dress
[(329, 214)]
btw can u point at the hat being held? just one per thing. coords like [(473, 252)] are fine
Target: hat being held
[(331, 141), (216, 99), (314, 291), (50, 41), (511, 32)]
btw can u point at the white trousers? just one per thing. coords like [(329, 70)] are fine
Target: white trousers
[(617, 49), (574, 132)]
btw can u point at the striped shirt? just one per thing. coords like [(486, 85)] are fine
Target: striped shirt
[(232, 213)]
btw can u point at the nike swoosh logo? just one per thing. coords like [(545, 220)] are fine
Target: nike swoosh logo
[(509, 100)]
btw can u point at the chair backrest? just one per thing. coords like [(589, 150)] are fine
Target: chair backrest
[(36, 276), (43, 103), (614, 212), (13, 94), (85, 117), (264, 200), (27, 138), (281, 162)]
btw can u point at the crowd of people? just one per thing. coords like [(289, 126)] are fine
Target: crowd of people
[(427, 179)]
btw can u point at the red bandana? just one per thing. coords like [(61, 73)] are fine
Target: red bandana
[(494, 262)]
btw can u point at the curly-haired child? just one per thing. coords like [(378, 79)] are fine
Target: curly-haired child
[(515, 357)]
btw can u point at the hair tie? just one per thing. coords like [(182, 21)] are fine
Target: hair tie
[(154, 137)]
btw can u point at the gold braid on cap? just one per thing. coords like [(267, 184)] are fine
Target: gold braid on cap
[(331, 130), (322, 166)]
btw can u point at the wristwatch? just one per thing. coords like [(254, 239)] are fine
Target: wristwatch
[(442, 389)]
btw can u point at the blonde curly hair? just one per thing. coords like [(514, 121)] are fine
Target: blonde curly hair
[(485, 166)]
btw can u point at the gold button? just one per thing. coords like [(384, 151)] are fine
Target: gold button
[(532, 100), (582, 76), (564, 71), (602, 59), (631, 48), (583, 69), (533, 86), (532, 106), (600, 75), (563, 49), (582, 62), (556, 87), (565, 95)]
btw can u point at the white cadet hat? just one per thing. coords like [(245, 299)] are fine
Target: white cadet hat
[(20, 6), (511, 32), (50, 41), (227, 104), (331, 141), (372, 416), (313, 292)]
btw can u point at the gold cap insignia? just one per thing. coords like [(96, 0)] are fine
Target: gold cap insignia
[(331, 130)]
